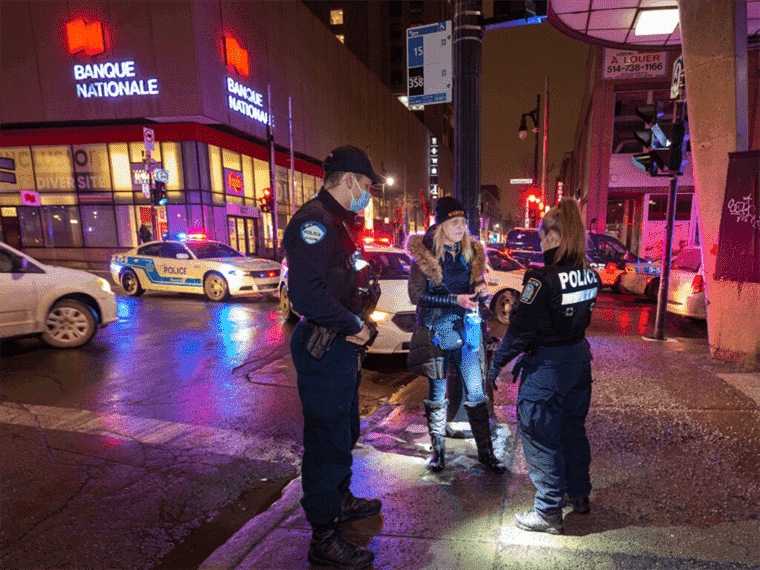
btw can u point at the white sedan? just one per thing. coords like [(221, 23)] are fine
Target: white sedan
[(194, 266), (64, 306), (504, 277), (394, 315)]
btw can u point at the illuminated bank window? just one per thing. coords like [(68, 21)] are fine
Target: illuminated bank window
[(61, 226), (22, 168), (283, 193), (215, 168), (309, 187), (299, 188), (53, 168), (248, 182), (91, 169), (172, 162), (99, 226), (261, 174), (120, 168), (336, 17), (341, 38), (231, 160), (136, 150), (30, 226)]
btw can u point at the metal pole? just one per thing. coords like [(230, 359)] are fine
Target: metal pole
[(272, 175), (406, 213), (662, 295), (546, 140), (291, 174), (536, 124), (468, 47), (152, 187)]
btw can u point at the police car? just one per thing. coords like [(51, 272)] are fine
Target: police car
[(504, 278), (194, 264)]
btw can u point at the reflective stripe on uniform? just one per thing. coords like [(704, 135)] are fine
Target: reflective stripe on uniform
[(579, 296)]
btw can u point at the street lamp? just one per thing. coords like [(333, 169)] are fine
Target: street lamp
[(523, 132)]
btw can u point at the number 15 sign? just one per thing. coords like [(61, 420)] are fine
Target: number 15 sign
[(429, 69)]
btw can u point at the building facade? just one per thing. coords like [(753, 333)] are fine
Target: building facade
[(80, 83)]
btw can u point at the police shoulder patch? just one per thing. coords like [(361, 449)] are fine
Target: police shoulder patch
[(530, 290), (312, 232)]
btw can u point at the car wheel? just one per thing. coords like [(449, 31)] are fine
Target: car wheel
[(131, 284), (215, 287), (652, 289), (503, 304), (285, 309), (69, 324)]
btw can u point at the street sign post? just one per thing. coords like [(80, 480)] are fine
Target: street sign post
[(429, 64)]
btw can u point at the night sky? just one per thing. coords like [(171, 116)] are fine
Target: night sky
[(516, 61)]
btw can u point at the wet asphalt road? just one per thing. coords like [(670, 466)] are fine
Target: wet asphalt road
[(180, 420)]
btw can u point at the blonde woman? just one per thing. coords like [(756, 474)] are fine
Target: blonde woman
[(445, 281), (549, 329)]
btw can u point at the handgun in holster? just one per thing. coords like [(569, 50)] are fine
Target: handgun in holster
[(320, 340)]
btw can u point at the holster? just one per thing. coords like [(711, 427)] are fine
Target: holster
[(320, 339)]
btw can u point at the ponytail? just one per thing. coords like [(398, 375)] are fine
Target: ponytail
[(565, 219)]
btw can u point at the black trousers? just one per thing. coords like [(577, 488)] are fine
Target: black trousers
[(329, 391)]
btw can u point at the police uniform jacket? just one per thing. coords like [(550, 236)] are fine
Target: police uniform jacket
[(435, 296), (554, 309), (321, 253)]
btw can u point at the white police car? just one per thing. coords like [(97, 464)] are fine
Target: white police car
[(504, 278), (194, 264)]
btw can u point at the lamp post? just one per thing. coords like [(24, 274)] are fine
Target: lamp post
[(523, 132)]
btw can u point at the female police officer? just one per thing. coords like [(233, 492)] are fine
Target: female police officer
[(327, 349), (445, 281), (549, 327)]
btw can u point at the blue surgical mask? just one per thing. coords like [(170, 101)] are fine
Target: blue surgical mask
[(358, 205)]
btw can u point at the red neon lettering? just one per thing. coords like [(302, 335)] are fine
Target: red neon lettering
[(237, 57), (87, 37), (234, 181)]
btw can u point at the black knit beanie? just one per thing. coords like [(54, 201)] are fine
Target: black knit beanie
[(446, 208)]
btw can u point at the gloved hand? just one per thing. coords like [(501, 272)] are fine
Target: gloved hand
[(493, 373)]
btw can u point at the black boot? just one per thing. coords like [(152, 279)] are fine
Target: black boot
[(435, 412), (481, 430), (329, 548), (355, 507)]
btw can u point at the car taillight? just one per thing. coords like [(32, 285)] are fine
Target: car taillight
[(698, 285)]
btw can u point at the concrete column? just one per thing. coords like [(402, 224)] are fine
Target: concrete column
[(717, 117)]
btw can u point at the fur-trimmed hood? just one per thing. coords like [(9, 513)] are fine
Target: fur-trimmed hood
[(417, 246)]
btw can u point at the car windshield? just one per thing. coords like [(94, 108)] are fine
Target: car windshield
[(524, 240), (210, 250), (502, 262), (688, 260), (389, 264), (611, 248)]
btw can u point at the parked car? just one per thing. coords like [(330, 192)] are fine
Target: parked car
[(194, 264), (612, 261), (394, 315), (65, 307), (524, 245), (686, 286), (504, 277)]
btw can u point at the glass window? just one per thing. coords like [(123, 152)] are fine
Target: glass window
[(171, 250), (53, 168), (299, 189), (22, 164), (341, 38), (30, 226), (211, 250), (195, 220), (336, 17), (248, 183), (281, 173), (231, 160), (91, 167), (389, 265), (122, 172), (177, 218), (172, 163), (152, 250), (215, 166), (658, 207), (61, 226), (99, 226), (309, 187), (125, 224), (136, 150), (261, 174), (688, 260)]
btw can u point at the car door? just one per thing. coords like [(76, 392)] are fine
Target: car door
[(174, 266), (18, 282)]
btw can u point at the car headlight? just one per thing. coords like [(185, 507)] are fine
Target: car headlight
[(379, 316), (237, 272), (105, 285)]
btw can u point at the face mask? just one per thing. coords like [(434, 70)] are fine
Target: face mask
[(357, 206)]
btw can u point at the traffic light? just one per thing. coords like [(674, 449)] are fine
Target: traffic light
[(159, 193), (666, 142), (267, 201)]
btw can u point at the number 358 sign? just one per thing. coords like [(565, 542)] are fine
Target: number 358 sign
[(429, 64)]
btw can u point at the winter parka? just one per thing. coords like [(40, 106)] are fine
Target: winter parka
[(429, 292)]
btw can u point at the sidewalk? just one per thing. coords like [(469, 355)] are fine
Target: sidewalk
[(675, 443)]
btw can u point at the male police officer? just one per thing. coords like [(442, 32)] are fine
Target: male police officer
[(327, 348)]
